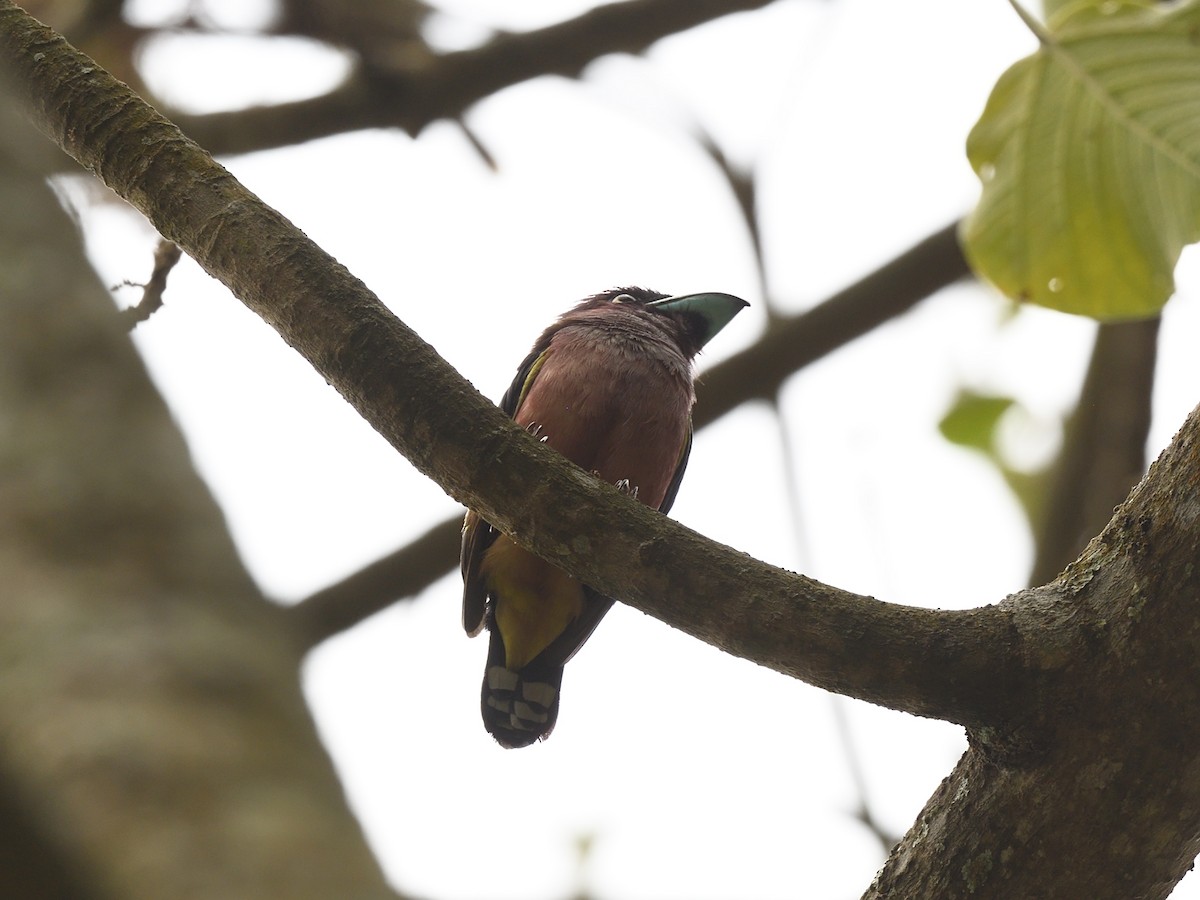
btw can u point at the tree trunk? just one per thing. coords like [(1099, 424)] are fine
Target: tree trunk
[(154, 741)]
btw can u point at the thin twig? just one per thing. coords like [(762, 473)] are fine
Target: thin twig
[(864, 813), (166, 255), (744, 187)]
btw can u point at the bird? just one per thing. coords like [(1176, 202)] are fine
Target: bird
[(609, 385)]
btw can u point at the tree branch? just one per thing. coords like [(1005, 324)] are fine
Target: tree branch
[(793, 342), (443, 87), (401, 574), (893, 655), (166, 255), (1104, 449), (1106, 807), (789, 344)]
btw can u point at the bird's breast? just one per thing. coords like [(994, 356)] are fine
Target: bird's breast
[(618, 407)]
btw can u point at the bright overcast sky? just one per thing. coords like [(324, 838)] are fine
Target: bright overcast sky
[(695, 774)]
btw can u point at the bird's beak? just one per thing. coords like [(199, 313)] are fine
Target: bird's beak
[(714, 310)]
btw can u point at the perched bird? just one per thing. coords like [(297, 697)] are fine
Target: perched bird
[(609, 386)]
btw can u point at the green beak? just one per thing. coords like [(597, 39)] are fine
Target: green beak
[(715, 311)]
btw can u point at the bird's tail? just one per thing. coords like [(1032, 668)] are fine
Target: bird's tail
[(519, 707)]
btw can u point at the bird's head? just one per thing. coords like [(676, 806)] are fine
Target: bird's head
[(691, 319)]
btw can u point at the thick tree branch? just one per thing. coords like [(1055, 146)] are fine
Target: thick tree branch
[(154, 741), (893, 655), (1109, 804), (789, 344), (443, 87)]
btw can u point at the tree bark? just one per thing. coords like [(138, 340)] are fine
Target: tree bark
[(154, 741), (1102, 796)]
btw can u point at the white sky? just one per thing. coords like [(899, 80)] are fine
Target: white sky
[(697, 775)]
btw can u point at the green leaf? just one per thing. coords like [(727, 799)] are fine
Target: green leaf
[(1089, 154), (972, 422), (972, 419), (1055, 8)]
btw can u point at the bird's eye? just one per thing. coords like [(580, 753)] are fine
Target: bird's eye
[(623, 298)]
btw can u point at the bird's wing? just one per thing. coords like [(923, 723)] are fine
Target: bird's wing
[(478, 535), (511, 401), (567, 644), (680, 468), (576, 634)]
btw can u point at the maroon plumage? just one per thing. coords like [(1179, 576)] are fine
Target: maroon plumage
[(609, 385)]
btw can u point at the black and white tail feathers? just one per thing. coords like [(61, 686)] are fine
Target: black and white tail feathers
[(520, 707)]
